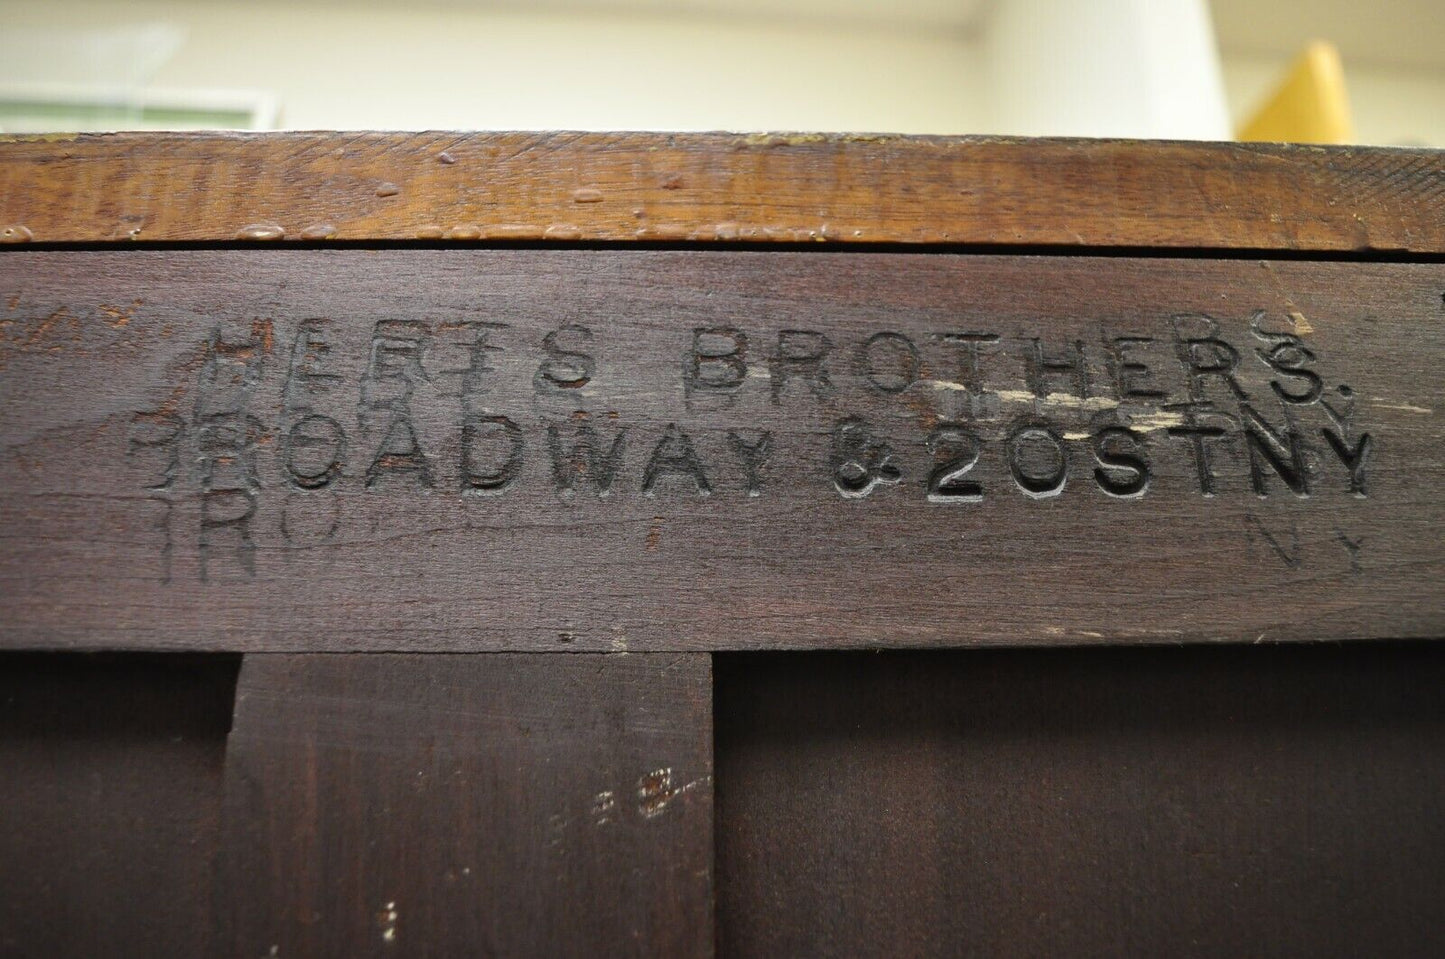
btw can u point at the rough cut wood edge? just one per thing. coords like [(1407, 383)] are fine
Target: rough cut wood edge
[(715, 186)]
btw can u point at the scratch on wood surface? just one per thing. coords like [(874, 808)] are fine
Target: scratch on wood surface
[(1380, 403), (387, 919)]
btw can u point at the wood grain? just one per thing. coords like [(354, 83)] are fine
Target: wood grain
[(1264, 801), (759, 188), (470, 806), (226, 450)]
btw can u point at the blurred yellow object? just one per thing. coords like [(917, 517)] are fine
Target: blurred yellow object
[(1310, 106)]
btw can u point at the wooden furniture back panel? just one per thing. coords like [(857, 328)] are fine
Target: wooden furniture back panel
[(318, 397)]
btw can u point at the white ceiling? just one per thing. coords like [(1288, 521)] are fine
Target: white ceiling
[(902, 14), (1407, 34), (950, 12)]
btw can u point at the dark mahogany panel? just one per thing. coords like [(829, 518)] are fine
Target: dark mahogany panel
[(1213, 801), (110, 802)]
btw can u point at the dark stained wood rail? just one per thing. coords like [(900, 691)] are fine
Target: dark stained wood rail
[(579, 450)]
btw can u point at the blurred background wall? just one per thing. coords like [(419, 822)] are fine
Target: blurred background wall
[(1153, 68)]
